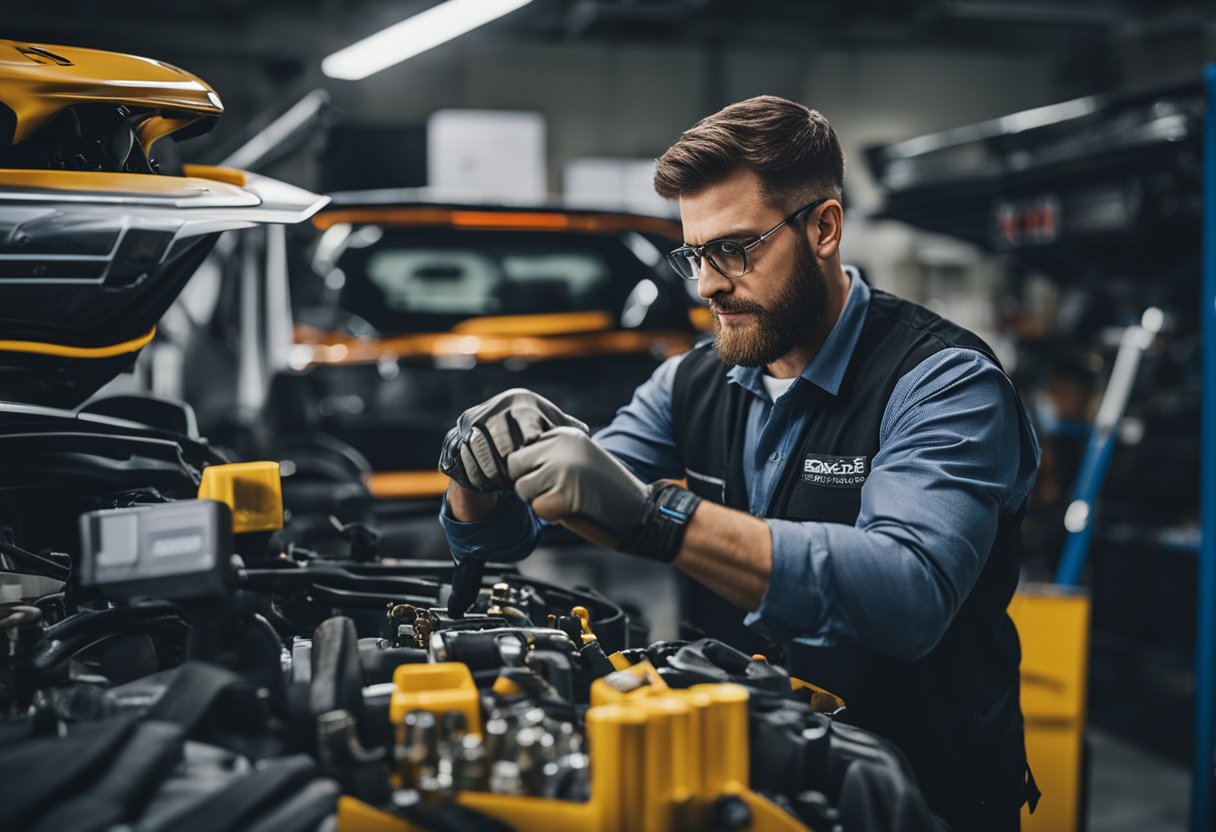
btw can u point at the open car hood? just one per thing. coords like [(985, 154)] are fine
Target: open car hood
[(89, 261), (43, 81)]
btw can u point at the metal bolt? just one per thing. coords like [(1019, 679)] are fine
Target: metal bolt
[(505, 779)]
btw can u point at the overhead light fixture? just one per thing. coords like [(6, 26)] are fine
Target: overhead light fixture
[(413, 36)]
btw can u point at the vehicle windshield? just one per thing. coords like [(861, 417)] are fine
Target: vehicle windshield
[(410, 280)]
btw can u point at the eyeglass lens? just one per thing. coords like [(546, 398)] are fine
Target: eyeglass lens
[(727, 256)]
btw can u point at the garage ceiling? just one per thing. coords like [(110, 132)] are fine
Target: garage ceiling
[(282, 30), (264, 54)]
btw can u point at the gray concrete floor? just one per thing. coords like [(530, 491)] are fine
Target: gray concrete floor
[(1130, 789), (1133, 790)]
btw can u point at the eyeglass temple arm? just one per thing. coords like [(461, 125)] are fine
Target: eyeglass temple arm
[(770, 232), (799, 213)]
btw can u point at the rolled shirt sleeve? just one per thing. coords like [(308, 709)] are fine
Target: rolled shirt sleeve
[(956, 453)]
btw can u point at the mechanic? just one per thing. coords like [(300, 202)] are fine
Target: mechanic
[(857, 467)]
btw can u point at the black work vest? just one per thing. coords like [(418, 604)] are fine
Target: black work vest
[(955, 711)]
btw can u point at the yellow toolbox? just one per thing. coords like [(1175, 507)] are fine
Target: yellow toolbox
[(1053, 625)]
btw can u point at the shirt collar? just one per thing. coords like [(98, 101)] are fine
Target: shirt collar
[(826, 370)]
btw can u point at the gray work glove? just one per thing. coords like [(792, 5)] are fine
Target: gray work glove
[(567, 478), (474, 452)]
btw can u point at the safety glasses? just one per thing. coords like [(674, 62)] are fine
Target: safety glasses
[(728, 257)]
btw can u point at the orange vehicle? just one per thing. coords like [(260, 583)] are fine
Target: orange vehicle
[(413, 310)]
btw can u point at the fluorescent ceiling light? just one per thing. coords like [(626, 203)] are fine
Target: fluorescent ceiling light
[(413, 36)]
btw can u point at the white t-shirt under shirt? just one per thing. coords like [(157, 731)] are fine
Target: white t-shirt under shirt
[(776, 386)]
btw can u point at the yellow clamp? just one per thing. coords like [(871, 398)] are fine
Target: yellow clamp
[(585, 618)]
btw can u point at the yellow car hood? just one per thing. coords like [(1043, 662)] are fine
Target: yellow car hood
[(37, 81)]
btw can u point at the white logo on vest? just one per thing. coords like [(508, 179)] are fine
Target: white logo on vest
[(835, 471)]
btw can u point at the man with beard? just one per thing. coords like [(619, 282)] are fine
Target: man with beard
[(856, 466)]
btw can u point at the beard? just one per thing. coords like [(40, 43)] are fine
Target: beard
[(775, 330)]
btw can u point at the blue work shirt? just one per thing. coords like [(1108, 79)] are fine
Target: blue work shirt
[(956, 453)]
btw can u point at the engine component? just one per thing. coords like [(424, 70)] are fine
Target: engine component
[(435, 689), (20, 630), (646, 768), (179, 550), (504, 601), (253, 491)]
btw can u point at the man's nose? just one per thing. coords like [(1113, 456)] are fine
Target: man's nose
[(712, 282)]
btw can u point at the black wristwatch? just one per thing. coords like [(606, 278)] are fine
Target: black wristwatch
[(664, 519)]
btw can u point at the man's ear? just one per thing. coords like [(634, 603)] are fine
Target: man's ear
[(825, 229)]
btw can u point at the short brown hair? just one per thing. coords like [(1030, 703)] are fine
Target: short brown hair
[(792, 149)]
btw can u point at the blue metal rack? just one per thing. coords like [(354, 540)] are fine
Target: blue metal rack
[(1103, 436), (1205, 642)]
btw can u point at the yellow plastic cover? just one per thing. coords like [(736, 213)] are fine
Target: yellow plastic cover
[(252, 490), (437, 688)]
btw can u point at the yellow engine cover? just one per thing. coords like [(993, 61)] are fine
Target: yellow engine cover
[(659, 758)]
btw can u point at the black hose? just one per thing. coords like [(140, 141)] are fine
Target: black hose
[(302, 578), (89, 620), (102, 627), (32, 564)]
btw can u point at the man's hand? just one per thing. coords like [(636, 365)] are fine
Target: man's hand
[(569, 479), (475, 451)]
